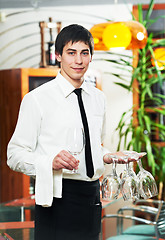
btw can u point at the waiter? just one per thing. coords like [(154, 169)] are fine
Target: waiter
[(67, 203)]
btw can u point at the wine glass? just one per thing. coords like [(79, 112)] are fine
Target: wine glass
[(111, 183), (147, 184), (75, 142), (131, 155), (129, 182)]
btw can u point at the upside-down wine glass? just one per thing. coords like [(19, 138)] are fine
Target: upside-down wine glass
[(129, 181), (111, 183), (75, 142), (147, 184), (131, 155)]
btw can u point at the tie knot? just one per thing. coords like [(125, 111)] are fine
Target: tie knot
[(77, 91)]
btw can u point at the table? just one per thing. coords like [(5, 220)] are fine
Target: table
[(20, 208), (106, 204), (17, 230), (20, 225), (16, 220)]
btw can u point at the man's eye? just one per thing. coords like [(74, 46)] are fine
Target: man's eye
[(85, 53), (71, 53)]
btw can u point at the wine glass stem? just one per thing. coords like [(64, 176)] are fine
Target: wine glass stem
[(75, 156), (140, 164), (127, 166), (114, 167)]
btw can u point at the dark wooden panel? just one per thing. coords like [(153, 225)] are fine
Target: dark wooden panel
[(14, 84), (10, 98)]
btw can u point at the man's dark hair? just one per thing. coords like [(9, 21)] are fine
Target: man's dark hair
[(73, 33)]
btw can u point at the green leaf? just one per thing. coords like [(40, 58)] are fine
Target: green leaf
[(147, 123), (140, 117), (160, 95), (140, 11), (150, 156), (159, 110), (159, 126), (137, 135), (123, 85)]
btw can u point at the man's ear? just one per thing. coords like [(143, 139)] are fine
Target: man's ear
[(91, 59), (58, 57)]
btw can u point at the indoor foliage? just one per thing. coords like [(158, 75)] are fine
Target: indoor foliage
[(147, 123)]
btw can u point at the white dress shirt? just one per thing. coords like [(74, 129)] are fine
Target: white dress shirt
[(45, 115)]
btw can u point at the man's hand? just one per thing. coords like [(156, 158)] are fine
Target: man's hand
[(108, 158), (121, 156), (65, 160)]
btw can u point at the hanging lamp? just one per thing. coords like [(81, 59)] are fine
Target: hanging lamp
[(116, 35), (125, 35)]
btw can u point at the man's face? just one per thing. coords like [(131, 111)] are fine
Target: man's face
[(74, 61)]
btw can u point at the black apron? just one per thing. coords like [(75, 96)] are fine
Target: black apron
[(75, 216)]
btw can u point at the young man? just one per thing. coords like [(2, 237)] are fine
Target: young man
[(67, 204)]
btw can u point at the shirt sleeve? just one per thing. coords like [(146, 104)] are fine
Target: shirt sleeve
[(23, 157), (21, 148)]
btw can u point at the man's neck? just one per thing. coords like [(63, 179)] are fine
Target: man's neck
[(75, 82)]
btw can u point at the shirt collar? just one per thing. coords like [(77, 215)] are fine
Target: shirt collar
[(67, 88)]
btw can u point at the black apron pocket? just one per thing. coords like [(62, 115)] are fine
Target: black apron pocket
[(95, 218)]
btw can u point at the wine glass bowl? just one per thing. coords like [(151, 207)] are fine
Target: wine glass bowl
[(129, 183), (75, 142), (147, 184), (111, 184), (110, 187)]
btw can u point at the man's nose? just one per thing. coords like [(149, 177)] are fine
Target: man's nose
[(78, 59)]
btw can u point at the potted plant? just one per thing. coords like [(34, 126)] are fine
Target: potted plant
[(143, 125)]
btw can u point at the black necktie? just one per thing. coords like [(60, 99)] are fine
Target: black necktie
[(88, 154)]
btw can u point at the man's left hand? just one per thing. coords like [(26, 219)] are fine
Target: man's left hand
[(120, 157)]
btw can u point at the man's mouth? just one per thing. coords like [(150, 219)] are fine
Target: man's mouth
[(78, 69)]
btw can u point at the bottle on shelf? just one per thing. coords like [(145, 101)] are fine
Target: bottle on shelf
[(51, 49)]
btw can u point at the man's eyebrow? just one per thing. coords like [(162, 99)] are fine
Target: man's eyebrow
[(74, 50), (85, 50), (70, 49)]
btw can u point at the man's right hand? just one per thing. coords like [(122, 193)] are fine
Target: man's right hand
[(65, 160)]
